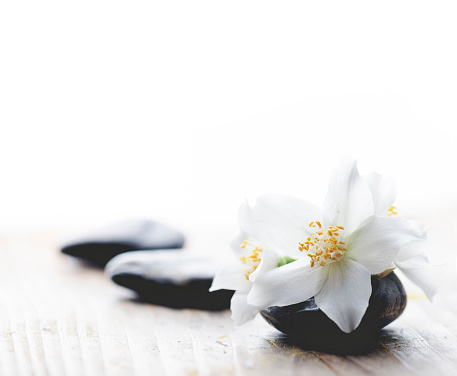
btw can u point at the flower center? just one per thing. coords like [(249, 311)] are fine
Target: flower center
[(255, 256), (325, 246)]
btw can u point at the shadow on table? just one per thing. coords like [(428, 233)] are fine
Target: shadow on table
[(357, 345)]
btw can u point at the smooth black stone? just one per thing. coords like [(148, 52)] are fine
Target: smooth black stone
[(172, 278), (102, 245), (309, 327)]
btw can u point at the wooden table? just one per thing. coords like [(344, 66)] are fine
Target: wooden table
[(60, 317)]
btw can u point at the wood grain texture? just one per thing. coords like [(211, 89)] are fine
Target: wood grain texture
[(61, 317)]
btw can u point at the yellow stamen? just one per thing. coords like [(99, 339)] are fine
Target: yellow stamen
[(253, 260), (324, 246), (391, 212)]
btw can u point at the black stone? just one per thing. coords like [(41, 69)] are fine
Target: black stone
[(172, 278), (306, 325), (102, 245)]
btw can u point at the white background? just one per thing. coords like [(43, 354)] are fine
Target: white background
[(179, 110)]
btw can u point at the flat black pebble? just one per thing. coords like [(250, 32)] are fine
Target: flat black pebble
[(172, 278), (102, 245), (307, 326)]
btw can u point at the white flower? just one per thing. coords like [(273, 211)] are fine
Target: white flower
[(411, 258), (337, 249), (253, 260)]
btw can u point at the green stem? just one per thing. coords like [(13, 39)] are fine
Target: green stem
[(284, 260)]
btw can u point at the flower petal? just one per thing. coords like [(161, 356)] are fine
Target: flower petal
[(242, 312), (377, 240), (383, 190), (236, 243), (349, 200), (420, 272), (278, 221), (231, 277), (289, 284), (268, 262), (345, 294), (414, 248)]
